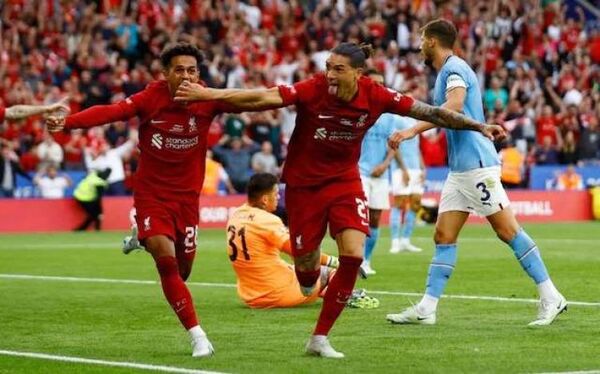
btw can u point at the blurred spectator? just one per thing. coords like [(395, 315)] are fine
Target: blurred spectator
[(52, 185), (9, 168), (74, 150), (569, 180), (214, 176), (49, 152), (589, 143), (236, 160), (103, 157), (547, 154), (547, 126), (513, 166), (434, 147), (495, 97), (264, 161), (568, 151)]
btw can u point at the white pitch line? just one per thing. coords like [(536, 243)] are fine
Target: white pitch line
[(82, 360), (105, 280), (573, 372), (230, 285)]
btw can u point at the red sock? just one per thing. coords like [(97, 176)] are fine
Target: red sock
[(176, 291), (338, 292), (307, 278)]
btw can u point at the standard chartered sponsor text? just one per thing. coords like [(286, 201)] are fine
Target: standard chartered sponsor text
[(181, 143)]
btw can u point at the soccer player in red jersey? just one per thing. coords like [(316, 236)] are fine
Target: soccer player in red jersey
[(167, 184), (321, 170)]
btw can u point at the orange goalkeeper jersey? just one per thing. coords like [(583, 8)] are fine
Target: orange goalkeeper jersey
[(255, 238)]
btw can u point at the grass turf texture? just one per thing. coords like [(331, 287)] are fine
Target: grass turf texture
[(133, 323)]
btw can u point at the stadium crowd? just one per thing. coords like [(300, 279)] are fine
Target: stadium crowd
[(537, 60)]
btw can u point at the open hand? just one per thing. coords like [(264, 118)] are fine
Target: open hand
[(399, 136), (188, 91)]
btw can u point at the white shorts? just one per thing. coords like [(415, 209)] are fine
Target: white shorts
[(377, 191), (415, 184), (476, 191)]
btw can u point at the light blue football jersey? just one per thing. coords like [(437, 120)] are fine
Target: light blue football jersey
[(409, 149), (467, 150), (374, 145)]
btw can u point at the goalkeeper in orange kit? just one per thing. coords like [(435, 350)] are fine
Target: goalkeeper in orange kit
[(255, 239)]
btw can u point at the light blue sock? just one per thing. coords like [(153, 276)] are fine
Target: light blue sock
[(370, 243), (395, 222), (529, 257), (440, 269), (409, 223)]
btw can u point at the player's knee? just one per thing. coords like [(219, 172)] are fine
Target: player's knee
[(309, 261), (415, 205), (506, 233), (443, 237)]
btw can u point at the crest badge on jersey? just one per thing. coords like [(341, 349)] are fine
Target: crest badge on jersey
[(192, 124)]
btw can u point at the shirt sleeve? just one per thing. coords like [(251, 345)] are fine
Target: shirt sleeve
[(278, 233), (454, 81), (301, 92), (392, 101)]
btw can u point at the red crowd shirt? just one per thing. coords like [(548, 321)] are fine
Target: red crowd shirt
[(325, 145), (2, 112), (172, 139)]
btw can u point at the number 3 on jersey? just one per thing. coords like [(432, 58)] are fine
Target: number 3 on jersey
[(241, 233)]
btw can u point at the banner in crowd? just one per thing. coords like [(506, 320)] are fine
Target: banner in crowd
[(38, 215)]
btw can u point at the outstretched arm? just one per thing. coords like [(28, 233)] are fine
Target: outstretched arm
[(241, 99), (93, 116), (443, 117), (24, 111)]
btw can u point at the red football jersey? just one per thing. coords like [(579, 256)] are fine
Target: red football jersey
[(172, 139), (326, 141)]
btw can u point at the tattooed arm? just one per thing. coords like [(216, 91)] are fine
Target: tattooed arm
[(24, 111)]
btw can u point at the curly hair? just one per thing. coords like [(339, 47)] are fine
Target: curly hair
[(180, 49)]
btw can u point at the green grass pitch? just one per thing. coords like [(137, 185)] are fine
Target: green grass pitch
[(131, 322)]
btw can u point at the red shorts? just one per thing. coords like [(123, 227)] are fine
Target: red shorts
[(178, 220), (341, 205)]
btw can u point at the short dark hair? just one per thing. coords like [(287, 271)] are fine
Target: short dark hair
[(180, 49), (357, 53), (261, 184), (442, 30)]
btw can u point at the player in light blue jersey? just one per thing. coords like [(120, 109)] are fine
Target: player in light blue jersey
[(473, 185), (408, 178), (374, 162)]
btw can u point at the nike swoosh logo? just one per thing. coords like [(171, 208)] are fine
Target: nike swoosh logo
[(321, 116), (189, 250), (157, 121), (421, 318)]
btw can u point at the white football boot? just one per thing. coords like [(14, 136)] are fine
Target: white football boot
[(201, 347), (395, 248), (405, 245), (411, 315), (319, 345), (549, 310), (367, 269)]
